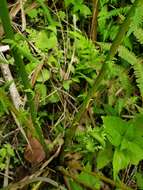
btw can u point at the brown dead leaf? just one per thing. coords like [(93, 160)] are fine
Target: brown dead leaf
[(37, 154)]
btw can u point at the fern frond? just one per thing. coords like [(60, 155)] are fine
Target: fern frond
[(123, 78), (118, 11), (138, 68), (104, 46), (138, 33), (136, 63), (137, 20), (125, 81), (138, 17), (127, 55)]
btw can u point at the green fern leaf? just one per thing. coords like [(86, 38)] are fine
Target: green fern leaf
[(137, 20), (127, 55), (139, 35), (136, 63)]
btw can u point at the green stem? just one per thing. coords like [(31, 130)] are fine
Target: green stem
[(9, 34), (96, 175), (75, 178), (114, 47)]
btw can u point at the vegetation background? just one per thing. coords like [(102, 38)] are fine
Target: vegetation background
[(71, 94)]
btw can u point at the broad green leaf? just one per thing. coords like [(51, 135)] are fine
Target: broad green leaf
[(138, 123), (89, 180), (130, 132), (76, 79), (104, 157), (68, 2), (89, 80), (53, 29), (54, 98), (120, 161), (135, 153), (84, 10), (115, 128), (139, 178), (139, 140), (41, 89), (43, 76), (73, 2), (32, 13), (44, 42), (74, 185), (31, 66), (66, 84), (52, 41)]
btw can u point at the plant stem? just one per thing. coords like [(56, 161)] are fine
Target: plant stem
[(9, 34), (69, 134), (93, 32), (96, 175), (79, 181)]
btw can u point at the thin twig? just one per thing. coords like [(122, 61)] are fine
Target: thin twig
[(23, 18)]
